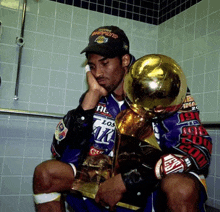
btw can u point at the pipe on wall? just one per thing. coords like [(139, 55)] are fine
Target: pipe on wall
[(31, 113), (20, 43)]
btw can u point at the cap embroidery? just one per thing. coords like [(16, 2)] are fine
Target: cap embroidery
[(105, 30), (125, 46), (101, 39), (108, 34)]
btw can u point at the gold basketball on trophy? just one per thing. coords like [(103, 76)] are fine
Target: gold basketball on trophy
[(155, 83)]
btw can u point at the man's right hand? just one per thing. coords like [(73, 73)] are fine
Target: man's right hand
[(94, 93), (94, 85)]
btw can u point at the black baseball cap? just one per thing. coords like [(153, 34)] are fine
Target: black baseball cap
[(108, 41)]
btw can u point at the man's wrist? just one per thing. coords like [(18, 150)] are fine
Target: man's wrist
[(91, 99), (172, 163), (121, 183)]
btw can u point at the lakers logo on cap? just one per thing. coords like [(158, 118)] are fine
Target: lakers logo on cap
[(101, 39), (125, 46)]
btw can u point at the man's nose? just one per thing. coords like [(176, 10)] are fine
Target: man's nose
[(99, 72)]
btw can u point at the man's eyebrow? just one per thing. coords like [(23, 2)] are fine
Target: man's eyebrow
[(90, 63), (104, 58)]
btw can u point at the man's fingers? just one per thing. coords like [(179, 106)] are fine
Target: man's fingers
[(88, 73), (101, 201), (105, 205), (113, 208), (97, 198), (87, 68)]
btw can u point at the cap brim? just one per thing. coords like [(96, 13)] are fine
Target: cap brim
[(103, 50)]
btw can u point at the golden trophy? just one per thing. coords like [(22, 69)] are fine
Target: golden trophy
[(155, 87), (157, 84)]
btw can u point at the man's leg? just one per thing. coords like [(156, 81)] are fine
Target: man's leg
[(179, 192), (50, 178)]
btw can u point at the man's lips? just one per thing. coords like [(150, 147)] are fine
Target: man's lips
[(101, 80)]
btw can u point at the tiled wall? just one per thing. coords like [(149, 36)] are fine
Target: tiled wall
[(147, 11), (193, 39), (52, 67), (52, 78), (24, 143)]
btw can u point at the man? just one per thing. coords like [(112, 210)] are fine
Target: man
[(90, 130)]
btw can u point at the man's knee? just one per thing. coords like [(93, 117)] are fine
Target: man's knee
[(43, 181), (43, 177), (180, 186), (52, 176)]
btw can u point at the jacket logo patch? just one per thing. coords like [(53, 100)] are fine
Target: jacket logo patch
[(61, 131), (189, 103), (93, 151), (101, 109), (103, 131)]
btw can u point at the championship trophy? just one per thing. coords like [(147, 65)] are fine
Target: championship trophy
[(155, 88)]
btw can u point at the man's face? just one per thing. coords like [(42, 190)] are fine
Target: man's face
[(109, 72)]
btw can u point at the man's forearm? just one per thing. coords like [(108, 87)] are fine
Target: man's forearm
[(91, 100)]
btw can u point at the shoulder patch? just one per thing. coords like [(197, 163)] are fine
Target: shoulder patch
[(61, 131)]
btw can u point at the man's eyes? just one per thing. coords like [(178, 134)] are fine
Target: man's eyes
[(91, 67), (104, 63)]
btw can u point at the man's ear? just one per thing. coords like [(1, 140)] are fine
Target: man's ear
[(126, 60)]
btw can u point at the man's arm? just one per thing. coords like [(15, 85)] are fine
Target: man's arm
[(76, 127), (186, 143), (74, 130), (193, 147)]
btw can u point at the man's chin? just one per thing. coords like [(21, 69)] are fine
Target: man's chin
[(107, 88)]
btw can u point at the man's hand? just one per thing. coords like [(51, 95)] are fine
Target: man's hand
[(94, 85), (110, 192), (94, 93)]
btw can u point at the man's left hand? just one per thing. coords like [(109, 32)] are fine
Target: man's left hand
[(110, 192)]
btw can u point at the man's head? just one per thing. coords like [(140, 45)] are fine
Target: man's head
[(108, 41), (109, 58)]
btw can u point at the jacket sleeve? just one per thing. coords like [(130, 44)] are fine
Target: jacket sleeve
[(185, 135), (194, 142), (74, 130)]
